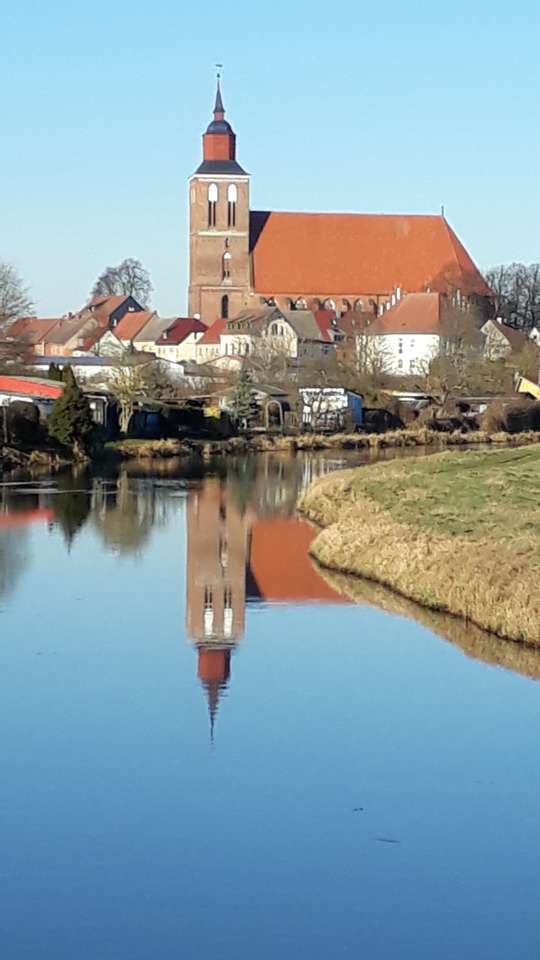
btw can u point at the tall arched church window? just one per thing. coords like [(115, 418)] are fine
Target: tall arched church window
[(345, 305), (226, 265), (225, 307), (232, 197), (212, 204), (359, 305)]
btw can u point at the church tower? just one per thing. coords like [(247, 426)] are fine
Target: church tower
[(219, 268)]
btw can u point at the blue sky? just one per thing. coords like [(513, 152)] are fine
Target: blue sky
[(386, 107)]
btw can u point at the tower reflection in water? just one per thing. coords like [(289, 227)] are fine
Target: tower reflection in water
[(241, 550), (217, 535)]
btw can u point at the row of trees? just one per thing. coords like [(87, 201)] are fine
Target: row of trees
[(516, 287)]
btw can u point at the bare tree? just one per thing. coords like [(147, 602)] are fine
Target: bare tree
[(128, 386), (516, 288), (129, 278), (15, 300)]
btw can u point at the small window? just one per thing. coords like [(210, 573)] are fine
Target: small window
[(400, 364), (400, 345), (301, 304), (226, 265), (274, 329), (329, 304), (225, 307), (359, 305), (212, 204), (412, 342)]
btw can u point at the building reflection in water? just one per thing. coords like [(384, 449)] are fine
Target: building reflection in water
[(244, 544)]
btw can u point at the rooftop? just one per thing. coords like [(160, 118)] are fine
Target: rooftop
[(342, 253)]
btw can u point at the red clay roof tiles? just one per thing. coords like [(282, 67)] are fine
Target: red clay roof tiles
[(348, 254)]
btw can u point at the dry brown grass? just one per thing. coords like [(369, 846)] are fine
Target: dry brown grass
[(455, 533)]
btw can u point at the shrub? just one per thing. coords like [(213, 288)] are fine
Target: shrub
[(516, 416), (23, 423)]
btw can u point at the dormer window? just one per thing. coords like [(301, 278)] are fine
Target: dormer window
[(232, 197), (212, 204)]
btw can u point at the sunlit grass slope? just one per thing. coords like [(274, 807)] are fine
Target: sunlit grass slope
[(455, 532)]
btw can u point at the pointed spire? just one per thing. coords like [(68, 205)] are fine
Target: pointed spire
[(219, 109)]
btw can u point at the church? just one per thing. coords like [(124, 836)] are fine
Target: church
[(244, 259)]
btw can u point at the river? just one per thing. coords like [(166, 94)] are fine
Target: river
[(211, 749)]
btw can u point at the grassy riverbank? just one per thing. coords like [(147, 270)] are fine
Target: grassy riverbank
[(455, 533), (266, 443)]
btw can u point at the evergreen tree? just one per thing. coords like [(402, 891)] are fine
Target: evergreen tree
[(70, 422), (55, 373), (244, 405)]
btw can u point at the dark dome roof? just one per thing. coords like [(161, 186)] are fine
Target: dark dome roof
[(219, 126)]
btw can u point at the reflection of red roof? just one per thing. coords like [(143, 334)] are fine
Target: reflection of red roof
[(31, 387), (280, 564), (180, 329), (338, 253), (9, 521), (214, 332)]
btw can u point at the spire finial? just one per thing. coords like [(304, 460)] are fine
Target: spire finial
[(219, 109)]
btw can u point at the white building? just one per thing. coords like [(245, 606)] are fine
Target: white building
[(405, 338)]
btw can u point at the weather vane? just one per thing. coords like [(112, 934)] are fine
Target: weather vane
[(219, 67)]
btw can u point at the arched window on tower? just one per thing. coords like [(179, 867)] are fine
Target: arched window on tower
[(329, 304), (212, 204), (226, 265), (232, 197), (225, 307)]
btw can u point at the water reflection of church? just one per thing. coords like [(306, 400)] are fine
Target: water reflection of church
[(244, 544)]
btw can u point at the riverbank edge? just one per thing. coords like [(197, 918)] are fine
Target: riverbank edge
[(237, 446), (360, 538), (12, 458)]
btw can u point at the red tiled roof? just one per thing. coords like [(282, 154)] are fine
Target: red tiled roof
[(31, 387), (213, 332), (180, 329), (132, 323), (333, 254), (323, 319), (415, 313), (107, 304), (31, 329)]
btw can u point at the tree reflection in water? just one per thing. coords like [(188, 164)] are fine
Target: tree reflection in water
[(14, 557)]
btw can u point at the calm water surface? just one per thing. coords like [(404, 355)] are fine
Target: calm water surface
[(210, 750)]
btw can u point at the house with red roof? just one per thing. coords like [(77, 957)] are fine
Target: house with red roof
[(178, 340), (406, 337), (241, 259), (297, 335), (74, 333)]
